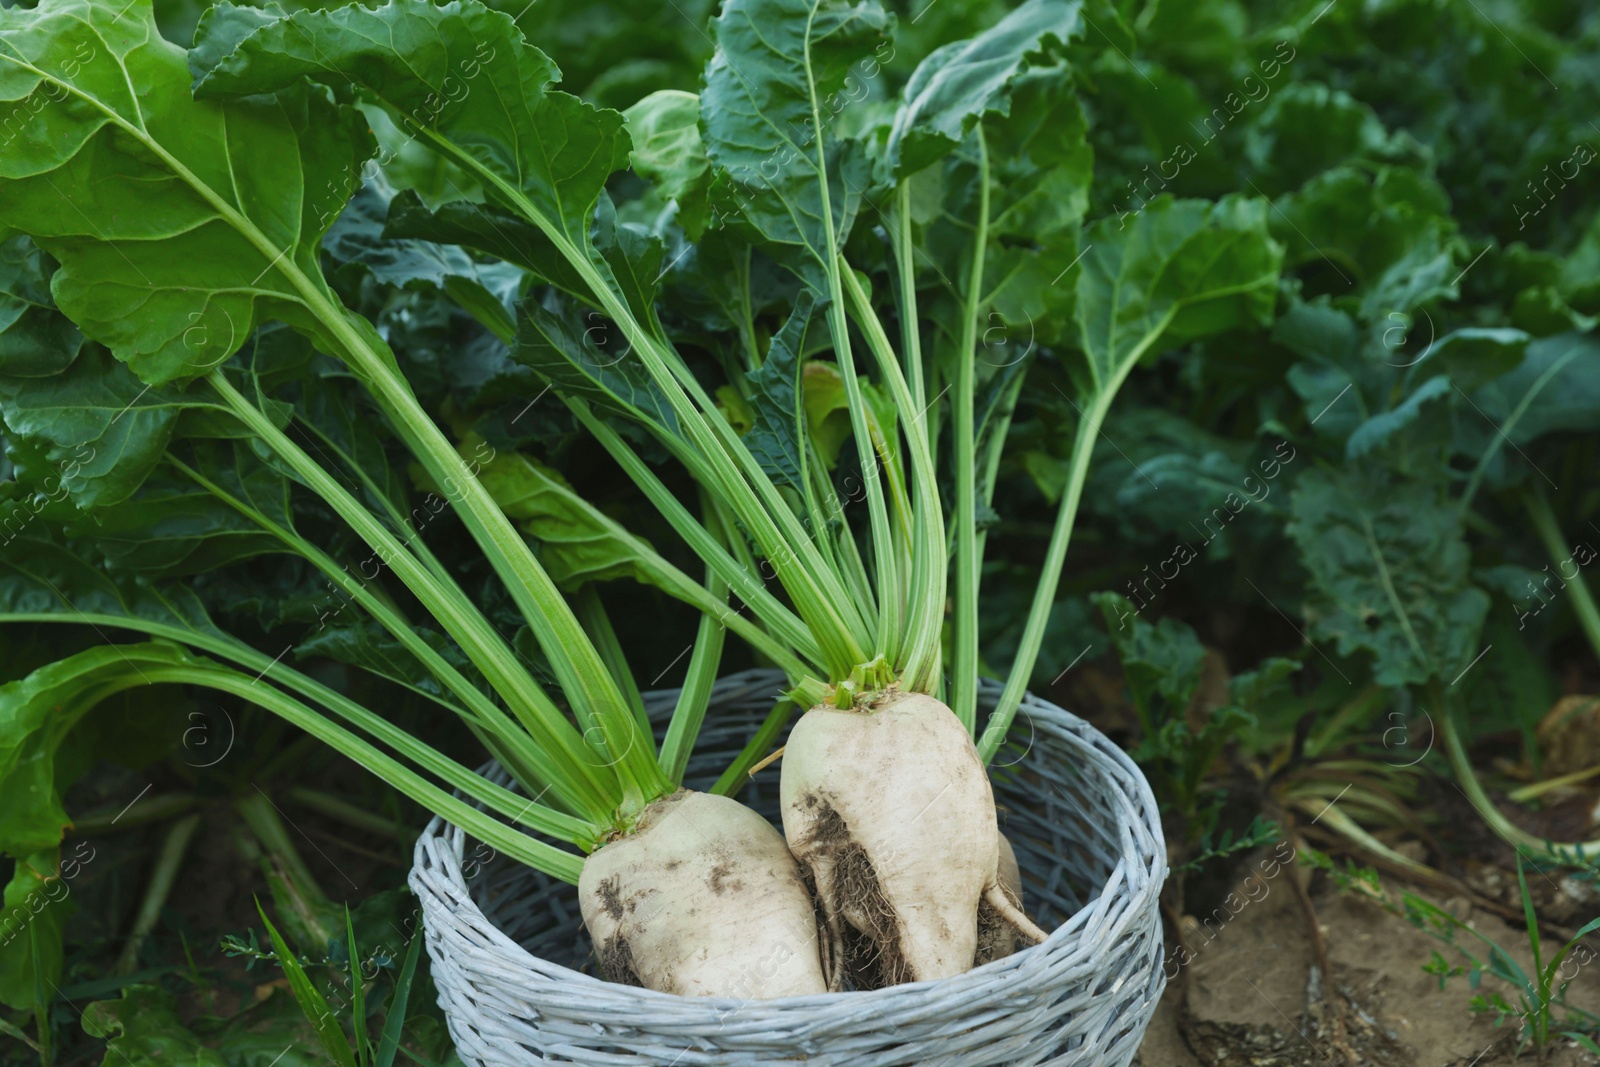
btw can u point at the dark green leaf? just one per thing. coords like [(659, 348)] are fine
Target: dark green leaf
[(959, 84), (101, 429), (1389, 574), (1556, 388), (39, 577), (1377, 431), (1471, 356), (172, 527), (34, 338), (36, 905), (1308, 128), (778, 435), (145, 1030), (1386, 230), (460, 75), (1161, 659), (357, 237), (179, 224), (581, 357), (1181, 269), (773, 91), (486, 228)]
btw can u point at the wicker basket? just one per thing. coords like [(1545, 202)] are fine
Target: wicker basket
[(516, 973)]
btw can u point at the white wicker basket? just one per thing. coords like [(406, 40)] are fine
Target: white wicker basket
[(516, 974)]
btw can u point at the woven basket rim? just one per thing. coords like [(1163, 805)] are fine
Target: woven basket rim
[(1141, 867)]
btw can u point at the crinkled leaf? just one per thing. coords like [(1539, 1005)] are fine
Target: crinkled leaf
[(773, 91), (487, 228), (35, 339), (1385, 229), (1335, 379), (1181, 269), (1377, 431), (1389, 573), (459, 75), (582, 357), (1040, 166), (960, 83), (1162, 659), (777, 436), (665, 130), (179, 224), (357, 237), (144, 1028), (225, 27), (1306, 129)]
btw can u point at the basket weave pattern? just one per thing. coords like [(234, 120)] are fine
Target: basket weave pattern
[(516, 973)]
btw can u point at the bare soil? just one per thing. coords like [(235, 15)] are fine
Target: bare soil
[(1251, 995)]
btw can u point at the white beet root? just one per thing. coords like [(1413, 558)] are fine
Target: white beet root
[(889, 811), (997, 937), (702, 899)]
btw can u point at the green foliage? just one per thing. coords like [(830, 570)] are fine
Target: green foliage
[(1540, 1005), (1186, 269), (1180, 740), (1259, 832), (36, 715), (1391, 574), (768, 122), (317, 324), (961, 84), (304, 1026), (171, 276)]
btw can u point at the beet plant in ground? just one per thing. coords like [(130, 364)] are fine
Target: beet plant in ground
[(788, 306)]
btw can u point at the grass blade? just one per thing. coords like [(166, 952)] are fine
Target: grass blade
[(1585, 1042), (394, 1025), (1528, 915), (312, 1003), (358, 995)]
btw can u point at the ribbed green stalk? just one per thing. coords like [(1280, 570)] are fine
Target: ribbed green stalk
[(582, 776), (964, 687), (520, 846), (537, 816)]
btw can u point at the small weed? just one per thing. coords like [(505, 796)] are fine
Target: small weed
[(1538, 1001)]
